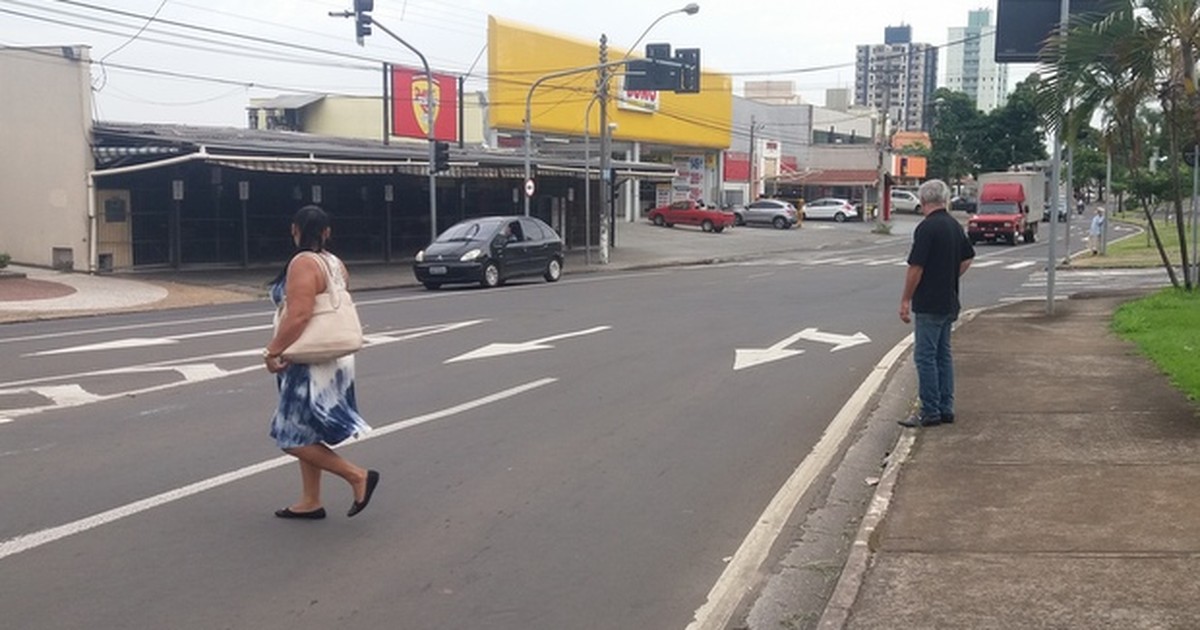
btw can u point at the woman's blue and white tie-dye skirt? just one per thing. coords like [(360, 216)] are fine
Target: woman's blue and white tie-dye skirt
[(317, 404)]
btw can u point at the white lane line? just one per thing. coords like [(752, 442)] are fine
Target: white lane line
[(36, 539), (742, 571), (985, 263), (1020, 265), (885, 261), (156, 324)]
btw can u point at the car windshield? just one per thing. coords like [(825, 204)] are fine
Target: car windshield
[(1007, 207), (469, 231)]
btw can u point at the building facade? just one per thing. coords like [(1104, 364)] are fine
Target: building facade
[(798, 151), (971, 66), (898, 77), (44, 167)]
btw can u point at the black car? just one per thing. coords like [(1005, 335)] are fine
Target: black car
[(965, 204), (491, 250)]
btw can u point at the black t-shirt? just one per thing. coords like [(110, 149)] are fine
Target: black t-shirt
[(939, 246)]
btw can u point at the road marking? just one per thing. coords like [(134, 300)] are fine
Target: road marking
[(192, 370), (986, 263), (25, 542), (1021, 265), (743, 569), (885, 261), (500, 349), (750, 357)]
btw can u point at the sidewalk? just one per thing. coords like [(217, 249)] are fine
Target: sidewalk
[(1064, 496)]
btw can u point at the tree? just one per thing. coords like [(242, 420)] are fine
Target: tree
[(1143, 52)]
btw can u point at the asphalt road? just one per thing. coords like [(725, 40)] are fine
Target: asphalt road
[(597, 471)]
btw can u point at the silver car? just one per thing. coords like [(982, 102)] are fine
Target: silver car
[(780, 214), (903, 200)]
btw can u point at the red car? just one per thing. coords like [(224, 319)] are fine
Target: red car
[(691, 213)]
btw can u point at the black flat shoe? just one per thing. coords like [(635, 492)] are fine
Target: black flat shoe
[(372, 481), (311, 515)]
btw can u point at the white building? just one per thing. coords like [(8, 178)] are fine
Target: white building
[(898, 76), (971, 66)]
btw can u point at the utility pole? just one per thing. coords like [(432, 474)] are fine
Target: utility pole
[(1064, 16), (750, 163), (883, 148), (605, 152)]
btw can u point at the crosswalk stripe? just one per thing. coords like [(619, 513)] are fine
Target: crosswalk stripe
[(1021, 265), (986, 263)]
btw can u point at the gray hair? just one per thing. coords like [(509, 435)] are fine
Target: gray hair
[(934, 191)]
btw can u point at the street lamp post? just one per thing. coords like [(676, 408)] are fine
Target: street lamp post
[(364, 19), (606, 227), (433, 231)]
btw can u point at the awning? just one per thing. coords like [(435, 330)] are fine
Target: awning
[(289, 101), (829, 177)]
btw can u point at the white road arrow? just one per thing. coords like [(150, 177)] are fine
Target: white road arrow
[(499, 349), (744, 358), (840, 342)]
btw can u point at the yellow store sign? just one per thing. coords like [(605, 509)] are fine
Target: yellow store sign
[(519, 55)]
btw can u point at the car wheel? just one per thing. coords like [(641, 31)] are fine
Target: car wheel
[(432, 286), (719, 229), (917, 209), (706, 225), (839, 217), (738, 220), (780, 223), (658, 220), (553, 270), (491, 276)]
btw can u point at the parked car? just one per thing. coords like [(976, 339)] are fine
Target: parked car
[(691, 213), (830, 208), (903, 200), (491, 250), (776, 212), (965, 204)]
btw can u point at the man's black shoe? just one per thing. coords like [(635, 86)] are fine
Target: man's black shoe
[(919, 421), (947, 418)]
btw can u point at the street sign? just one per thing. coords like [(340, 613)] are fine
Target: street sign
[(529, 187)]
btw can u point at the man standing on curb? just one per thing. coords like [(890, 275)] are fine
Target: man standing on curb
[(940, 254)]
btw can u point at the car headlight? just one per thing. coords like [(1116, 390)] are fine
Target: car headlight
[(420, 257), (471, 255)]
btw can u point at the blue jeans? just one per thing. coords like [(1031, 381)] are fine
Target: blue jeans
[(935, 368)]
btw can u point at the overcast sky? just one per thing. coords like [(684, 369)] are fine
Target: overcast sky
[(750, 39)]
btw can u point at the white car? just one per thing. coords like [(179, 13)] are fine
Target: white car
[(830, 208), (903, 200)]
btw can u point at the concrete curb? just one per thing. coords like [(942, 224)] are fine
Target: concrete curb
[(845, 593)]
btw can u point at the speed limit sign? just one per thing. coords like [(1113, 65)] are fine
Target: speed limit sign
[(529, 188)]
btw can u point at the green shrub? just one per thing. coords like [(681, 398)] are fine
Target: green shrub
[(4, 260)]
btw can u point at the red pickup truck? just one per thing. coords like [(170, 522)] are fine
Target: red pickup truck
[(691, 213)]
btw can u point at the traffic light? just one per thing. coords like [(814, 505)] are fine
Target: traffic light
[(362, 19), (689, 74), (441, 156)]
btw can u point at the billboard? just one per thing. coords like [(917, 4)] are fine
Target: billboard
[(1022, 26), (410, 104), (519, 55)]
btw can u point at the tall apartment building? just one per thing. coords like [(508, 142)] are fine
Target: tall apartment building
[(971, 66), (897, 75)]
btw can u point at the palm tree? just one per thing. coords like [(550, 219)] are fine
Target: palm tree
[(1141, 52)]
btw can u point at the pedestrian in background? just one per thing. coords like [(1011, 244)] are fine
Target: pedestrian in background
[(1095, 230), (317, 406), (940, 254)]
